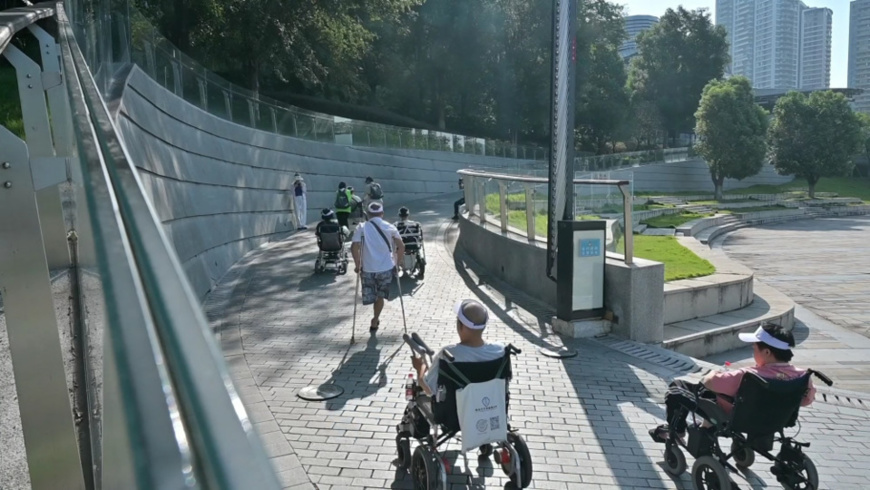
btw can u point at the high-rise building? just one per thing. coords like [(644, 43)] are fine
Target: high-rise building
[(634, 25), (859, 53), (815, 64), (766, 39)]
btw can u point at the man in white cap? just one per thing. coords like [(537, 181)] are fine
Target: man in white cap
[(471, 319), (300, 201), (771, 349), (376, 248)]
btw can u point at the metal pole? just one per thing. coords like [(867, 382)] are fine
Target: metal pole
[(561, 173), (629, 230), (502, 204), (530, 213)]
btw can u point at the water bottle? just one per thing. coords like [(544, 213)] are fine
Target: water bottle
[(409, 387)]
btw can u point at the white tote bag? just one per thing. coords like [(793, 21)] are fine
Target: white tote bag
[(482, 413)]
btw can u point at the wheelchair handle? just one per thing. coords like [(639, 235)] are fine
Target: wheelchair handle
[(413, 345), (821, 376), (513, 350), (422, 344)]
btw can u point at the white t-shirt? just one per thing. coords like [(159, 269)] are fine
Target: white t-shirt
[(463, 353), (376, 255)]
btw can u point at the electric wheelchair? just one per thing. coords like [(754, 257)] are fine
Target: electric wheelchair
[(414, 261), (432, 421), (763, 409), (331, 242)]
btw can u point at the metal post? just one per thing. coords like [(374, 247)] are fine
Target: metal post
[(252, 113), (530, 213), (150, 61), (295, 126), (34, 343), (502, 204), (228, 103), (274, 114), (629, 230), (203, 93), (481, 202), (177, 85)]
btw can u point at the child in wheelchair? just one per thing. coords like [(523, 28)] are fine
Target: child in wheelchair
[(414, 261), (331, 240), (462, 389), (752, 406)]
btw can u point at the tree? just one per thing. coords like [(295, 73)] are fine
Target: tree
[(864, 118), (676, 59), (602, 98), (814, 136), (731, 129)]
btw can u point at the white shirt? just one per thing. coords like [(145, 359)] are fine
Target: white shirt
[(376, 255), (463, 353)]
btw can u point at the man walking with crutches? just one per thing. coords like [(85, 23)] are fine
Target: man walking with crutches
[(377, 248)]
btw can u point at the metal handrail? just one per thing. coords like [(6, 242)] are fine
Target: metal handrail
[(209, 419), (14, 20), (475, 198)]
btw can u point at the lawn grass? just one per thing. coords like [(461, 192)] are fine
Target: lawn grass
[(844, 187), (10, 105), (680, 262), (672, 220)]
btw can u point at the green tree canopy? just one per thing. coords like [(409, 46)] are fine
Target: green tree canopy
[(676, 59), (731, 131), (814, 136)]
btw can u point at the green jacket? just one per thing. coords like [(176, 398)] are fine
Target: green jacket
[(349, 200)]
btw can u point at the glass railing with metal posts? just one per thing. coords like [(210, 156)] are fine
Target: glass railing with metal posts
[(518, 204), (188, 79), (124, 386)]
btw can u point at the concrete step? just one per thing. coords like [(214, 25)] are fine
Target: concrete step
[(718, 333), (706, 236)]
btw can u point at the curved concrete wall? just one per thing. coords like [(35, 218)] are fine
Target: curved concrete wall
[(691, 175), (221, 189)]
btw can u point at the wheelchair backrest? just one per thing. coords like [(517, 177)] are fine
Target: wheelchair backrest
[(474, 372), (765, 406), (331, 239)]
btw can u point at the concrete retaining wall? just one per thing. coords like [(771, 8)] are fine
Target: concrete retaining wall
[(691, 175), (221, 189), (514, 261)]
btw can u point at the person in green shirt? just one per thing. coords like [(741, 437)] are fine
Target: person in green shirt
[(343, 202)]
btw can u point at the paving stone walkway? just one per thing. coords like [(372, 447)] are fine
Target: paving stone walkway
[(586, 418), (824, 266)]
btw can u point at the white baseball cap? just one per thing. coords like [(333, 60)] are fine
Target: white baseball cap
[(761, 335)]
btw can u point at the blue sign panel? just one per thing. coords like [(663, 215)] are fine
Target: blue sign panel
[(590, 247)]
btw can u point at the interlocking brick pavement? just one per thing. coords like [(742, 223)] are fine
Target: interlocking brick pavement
[(585, 418)]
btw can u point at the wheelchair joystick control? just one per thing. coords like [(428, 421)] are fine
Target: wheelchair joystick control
[(409, 387)]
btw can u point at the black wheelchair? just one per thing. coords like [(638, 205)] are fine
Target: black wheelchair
[(763, 409), (414, 261), (331, 242), (432, 423)]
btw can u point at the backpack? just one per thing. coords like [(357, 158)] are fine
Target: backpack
[(341, 201), (375, 191)]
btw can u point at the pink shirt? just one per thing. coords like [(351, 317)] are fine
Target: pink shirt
[(727, 383)]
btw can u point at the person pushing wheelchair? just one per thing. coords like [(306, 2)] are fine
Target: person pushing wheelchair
[(771, 349)]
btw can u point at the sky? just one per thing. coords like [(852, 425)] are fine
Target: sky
[(840, 37)]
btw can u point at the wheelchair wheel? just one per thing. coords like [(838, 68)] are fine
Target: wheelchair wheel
[(485, 451), (709, 474), (403, 452), (425, 473), (675, 460), (807, 471), (524, 464), (743, 458)]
